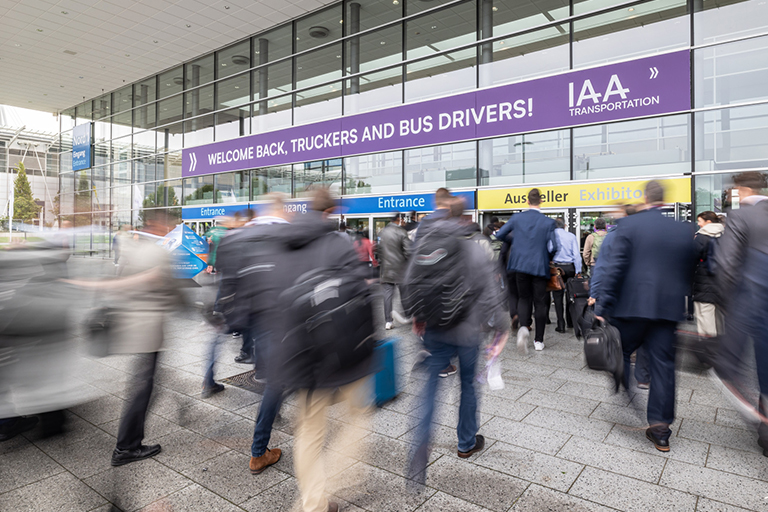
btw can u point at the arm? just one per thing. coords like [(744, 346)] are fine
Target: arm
[(612, 273), (730, 253), (505, 233), (576, 254), (588, 249), (405, 246), (552, 245)]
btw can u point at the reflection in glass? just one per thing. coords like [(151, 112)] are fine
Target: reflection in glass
[(732, 138), (198, 190), (440, 76), (200, 71), (145, 91), (537, 157), (443, 30), (121, 124), (234, 59), (731, 73), (715, 192), (272, 45), (318, 104), (271, 179), (276, 114), (374, 91), (644, 147), (319, 28), (170, 82), (198, 101), (374, 174), (198, 131), (311, 175), (234, 123), (728, 19), (451, 165), (232, 187)]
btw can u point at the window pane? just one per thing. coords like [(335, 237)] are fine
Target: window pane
[(271, 179), (169, 110), (159, 194), (170, 82), (121, 198), (372, 13), (319, 28), (537, 157), (644, 147), (198, 101), (452, 165), (727, 19), (443, 30), (200, 71), (374, 174), (732, 138), (122, 149), (731, 73), (273, 45), (318, 104), (233, 123), (102, 130), (272, 80), (234, 59), (414, 6), (198, 131), (144, 169), (101, 153), (512, 15), (102, 107), (715, 192), (318, 67), (83, 191), (374, 51), (145, 92), (272, 114), (374, 91), (652, 27), (121, 124), (144, 143), (101, 185), (121, 173), (232, 187), (311, 175), (122, 99), (446, 74), (144, 117), (584, 6), (84, 112), (526, 56), (169, 138), (233, 92), (198, 190), (171, 166)]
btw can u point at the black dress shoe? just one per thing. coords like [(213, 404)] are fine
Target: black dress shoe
[(479, 445), (244, 358), (209, 391), (560, 329), (120, 457), (661, 444), (16, 427)]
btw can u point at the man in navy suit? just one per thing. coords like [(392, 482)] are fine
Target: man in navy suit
[(534, 243), (643, 289)]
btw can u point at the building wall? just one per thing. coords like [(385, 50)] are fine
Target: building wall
[(41, 167), (360, 56)]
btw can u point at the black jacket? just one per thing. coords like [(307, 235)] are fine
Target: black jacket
[(705, 284), (392, 253), (650, 271)]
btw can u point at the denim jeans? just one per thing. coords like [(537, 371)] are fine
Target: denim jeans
[(213, 350), (440, 357), (270, 406)]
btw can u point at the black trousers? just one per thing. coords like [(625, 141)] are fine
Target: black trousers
[(563, 318), (532, 299), (131, 431), (513, 298)]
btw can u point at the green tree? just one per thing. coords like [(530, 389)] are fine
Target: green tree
[(24, 207)]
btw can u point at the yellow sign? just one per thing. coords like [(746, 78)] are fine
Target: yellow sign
[(578, 195)]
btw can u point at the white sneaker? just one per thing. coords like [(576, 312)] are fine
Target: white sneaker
[(522, 339), (388, 326), (538, 345)]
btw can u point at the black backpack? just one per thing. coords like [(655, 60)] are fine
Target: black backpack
[(602, 348), (330, 311), (437, 288)]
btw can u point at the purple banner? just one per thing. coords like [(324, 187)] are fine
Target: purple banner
[(654, 85)]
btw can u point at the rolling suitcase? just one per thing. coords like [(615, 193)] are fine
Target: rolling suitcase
[(385, 378), (577, 289)]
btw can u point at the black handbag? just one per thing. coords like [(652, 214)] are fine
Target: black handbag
[(602, 348)]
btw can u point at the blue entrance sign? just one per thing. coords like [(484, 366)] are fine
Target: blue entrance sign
[(398, 203), (188, 251), (211, 212), (81, 147)]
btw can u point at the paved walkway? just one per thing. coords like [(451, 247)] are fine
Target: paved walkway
[(557, 439)]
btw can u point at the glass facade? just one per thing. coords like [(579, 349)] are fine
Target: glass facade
[(363, 55)]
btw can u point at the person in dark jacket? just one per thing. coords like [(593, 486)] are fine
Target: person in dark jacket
[(705, 292), (392, 254), (534, 243), (742, 277), (643, 289)]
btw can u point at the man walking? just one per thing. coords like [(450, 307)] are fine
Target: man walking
[(534, 242), (742, 275), (392, 255), (593, 243), (642, 290), (568, 259)]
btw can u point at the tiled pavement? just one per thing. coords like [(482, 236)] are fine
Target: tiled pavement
[(557, 439)]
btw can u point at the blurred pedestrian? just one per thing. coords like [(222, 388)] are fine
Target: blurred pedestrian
[(392, 254), (643, 289), (705, 289), (742, 276), (534, 243), (593, 243), (568, 259)]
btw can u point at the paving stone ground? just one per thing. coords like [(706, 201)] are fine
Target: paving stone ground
[(557, 439)]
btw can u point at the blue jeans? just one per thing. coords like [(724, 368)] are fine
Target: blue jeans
[(657, 339), (440, 357), (213, 350), (270, 406)]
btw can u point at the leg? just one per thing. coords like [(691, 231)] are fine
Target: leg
[(525, 299), (513, 298), (467, 427), (642, 365), (541, 308), (310, 434), (270, 406), (632, 332), (213, 350), (248, 348), (131, 431), (706, 322), (660, 346), (388, 290), (559, 296)]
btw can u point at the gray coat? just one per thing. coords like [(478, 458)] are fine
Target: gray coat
[(392, 252)]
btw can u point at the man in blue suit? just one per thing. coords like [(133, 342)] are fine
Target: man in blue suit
[(643, 288), (534, 243)]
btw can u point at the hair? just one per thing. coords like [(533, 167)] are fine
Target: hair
[(654, 192), (710, 216), (442, 197), (560, 223), (494, 220), (456, 206), (275, 203), (244, 215), (322, 200), (751, 179), (600, 223), (534, 197), (412, 214), (630, 209)]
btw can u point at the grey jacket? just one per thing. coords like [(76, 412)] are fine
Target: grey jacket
[(392, 252), (746, 231)]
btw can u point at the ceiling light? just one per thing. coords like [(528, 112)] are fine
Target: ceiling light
[(39, 30), (168, 85), (383, 42), (241, 60), (226, 7), (501, 42), (17, 45), (224, 64), (80, 77), (434, 27), (341, 21), (338, 56), (127, 54), (631, 9), (395, 2), (64, 12), (189, 26), (300, 67), (495, 8), (237, 87), (154, 40)]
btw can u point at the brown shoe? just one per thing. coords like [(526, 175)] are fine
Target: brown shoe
[(259, 464), (479, 445)]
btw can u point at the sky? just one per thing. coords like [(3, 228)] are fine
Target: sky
[(33, 119)]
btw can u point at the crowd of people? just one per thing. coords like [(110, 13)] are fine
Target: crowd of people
[(300, 291)]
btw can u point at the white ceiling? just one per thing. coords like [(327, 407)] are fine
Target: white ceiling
[(116, 42)]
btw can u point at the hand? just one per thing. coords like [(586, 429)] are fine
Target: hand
[(600, 318), (591, 301), (419, 328), (495, 349), (209, 269)]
